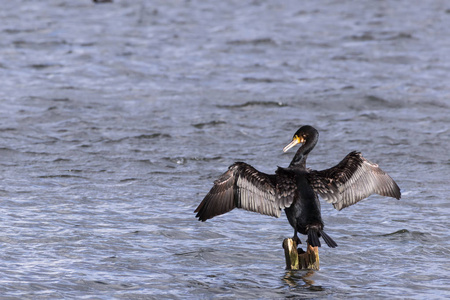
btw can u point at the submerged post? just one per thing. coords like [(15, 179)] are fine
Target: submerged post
[(308, 260)]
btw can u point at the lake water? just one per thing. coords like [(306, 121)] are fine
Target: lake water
[(116, 118)]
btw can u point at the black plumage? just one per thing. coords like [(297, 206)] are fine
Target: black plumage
[(296, 188)]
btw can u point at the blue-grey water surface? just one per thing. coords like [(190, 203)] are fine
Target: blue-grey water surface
[(116, 118)]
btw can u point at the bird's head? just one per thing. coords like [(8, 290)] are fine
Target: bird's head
[(304, 134)]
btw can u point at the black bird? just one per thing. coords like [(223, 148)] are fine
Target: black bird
[(296, 187)]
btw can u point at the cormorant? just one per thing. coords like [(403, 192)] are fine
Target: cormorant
[(296, 187)]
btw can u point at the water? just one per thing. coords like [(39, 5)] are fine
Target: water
[(116, 118)]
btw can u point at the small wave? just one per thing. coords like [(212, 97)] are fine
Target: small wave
[(435, 103), (260, 80), (6, 150), (61, 160), (255, 103), (401, 231), (128, 180), (61, 99), (182, 160), (7, 129), (152, 136), (383, 36), (62, 176), (141, 136), (406, 235), (401, 36), (260, 41), (44, 66), (208, 124), (363, 37), (370, 116), (378, 101)]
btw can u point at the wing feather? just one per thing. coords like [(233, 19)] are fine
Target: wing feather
[(242, 186), (352, 180)]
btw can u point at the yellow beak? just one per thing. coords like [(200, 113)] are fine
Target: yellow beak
[(296, 140)]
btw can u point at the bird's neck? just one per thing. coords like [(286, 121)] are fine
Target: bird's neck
[(299, 160)]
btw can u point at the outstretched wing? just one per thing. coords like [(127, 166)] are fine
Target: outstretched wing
[(352, 180), (242, 186)]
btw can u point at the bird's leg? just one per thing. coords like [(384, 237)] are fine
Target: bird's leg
[(296, 238)]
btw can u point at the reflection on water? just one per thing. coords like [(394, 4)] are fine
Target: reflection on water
[(294, 279)]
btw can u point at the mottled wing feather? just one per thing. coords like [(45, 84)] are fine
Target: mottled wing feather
[(220, 198), (242, 186), (352, 180), (286, 189)]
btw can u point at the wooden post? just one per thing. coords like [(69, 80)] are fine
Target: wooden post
[(291, 254), (308, 260)]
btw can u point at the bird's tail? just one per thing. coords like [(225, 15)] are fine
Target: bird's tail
[(313, 237), (328, 240)]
